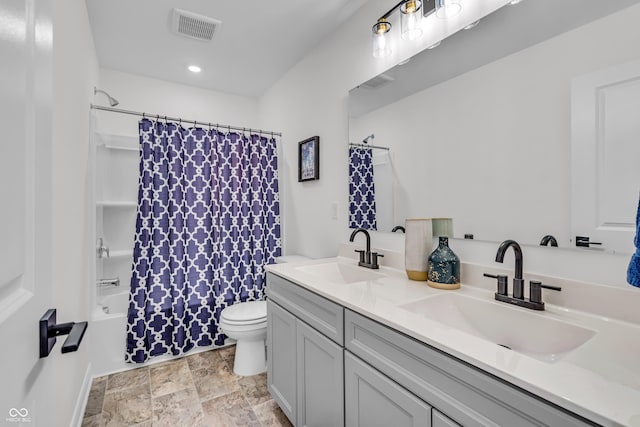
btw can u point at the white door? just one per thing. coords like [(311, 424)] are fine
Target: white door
[(27, 394), (605, 155)]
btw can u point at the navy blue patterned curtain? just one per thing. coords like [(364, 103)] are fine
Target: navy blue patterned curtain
[(362, 195), (208, 222)]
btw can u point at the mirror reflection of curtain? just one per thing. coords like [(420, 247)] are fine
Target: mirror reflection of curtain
[(362, 195), (383, 181)]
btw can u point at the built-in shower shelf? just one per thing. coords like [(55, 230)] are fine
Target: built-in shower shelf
[(115, 147), (117, 142), (117, 203), (121, 253)]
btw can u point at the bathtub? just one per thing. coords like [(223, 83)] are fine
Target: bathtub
[(108, 330), (112, 305)]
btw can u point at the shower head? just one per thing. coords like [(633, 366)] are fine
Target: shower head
[(366, 140), (112, 101)]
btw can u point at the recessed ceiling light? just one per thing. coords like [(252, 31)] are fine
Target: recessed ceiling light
[(194, 68)]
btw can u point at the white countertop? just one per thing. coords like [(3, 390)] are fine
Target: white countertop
[(599, 380)]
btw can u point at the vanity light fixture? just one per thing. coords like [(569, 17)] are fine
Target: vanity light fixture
[(447, 8), (381, 47), (194, 68), (410, 18), (412, 13)]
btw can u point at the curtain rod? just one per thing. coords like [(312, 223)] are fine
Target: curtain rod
[(160, 116), (353, 144)]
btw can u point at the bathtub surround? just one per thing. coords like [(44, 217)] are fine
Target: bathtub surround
[(200, 389), (207, 223)]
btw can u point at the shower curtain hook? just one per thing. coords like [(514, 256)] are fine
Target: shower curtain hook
[(144, 115)]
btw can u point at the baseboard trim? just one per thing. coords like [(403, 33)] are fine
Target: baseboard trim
[(83, 396)]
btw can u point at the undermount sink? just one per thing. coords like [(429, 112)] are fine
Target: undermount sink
[(524, 332), (340, 273)]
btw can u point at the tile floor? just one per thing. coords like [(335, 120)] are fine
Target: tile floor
[(199, 390)]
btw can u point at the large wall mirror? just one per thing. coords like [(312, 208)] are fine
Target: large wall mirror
[(480, 129)]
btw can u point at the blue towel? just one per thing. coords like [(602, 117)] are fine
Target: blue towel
[(633, 273)]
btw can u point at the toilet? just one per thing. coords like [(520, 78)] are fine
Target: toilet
[(246, 323)]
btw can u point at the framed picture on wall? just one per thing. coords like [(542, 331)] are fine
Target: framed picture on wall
[(309, 159)]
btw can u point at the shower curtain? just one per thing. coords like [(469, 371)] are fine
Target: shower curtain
[(362, 195), (208, 222)]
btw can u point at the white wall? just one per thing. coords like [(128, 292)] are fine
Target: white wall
[(492, 148), (155, 96), (312, 99)]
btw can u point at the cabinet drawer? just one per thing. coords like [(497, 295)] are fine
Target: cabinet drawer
[(322, 314), (468, 395)]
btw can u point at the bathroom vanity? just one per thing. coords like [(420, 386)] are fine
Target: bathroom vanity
[(350, 346)]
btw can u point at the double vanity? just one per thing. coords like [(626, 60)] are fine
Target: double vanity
[(347, 345)]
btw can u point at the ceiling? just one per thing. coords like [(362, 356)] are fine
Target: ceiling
[(256, 44), (506, 31)]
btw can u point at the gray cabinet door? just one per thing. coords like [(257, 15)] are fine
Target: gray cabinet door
[(281, 358), (373, 400), (438, 419), (320, 379)]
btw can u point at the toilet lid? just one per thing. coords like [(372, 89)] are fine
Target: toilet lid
[(245, 311)]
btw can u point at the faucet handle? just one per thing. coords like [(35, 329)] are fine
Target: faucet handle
[(374, 259), (535, 290), (502, 282), (361, 252)]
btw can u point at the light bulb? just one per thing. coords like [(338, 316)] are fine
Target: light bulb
[(447, 8), (410, 17), (381, 46), (194, 68)]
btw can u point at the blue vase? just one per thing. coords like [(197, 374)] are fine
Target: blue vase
[(444, 267)]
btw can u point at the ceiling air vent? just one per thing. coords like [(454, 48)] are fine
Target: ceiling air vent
[(377, 81), (193, 25)]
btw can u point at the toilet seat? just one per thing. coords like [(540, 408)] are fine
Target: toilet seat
[(245, 313), (243, 322)]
